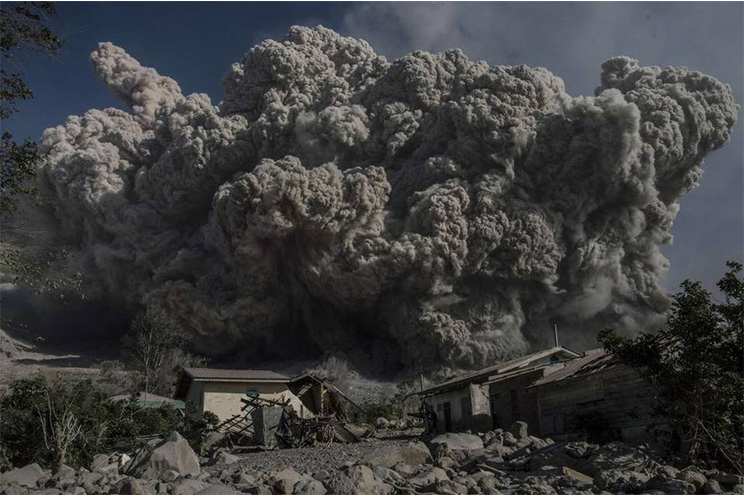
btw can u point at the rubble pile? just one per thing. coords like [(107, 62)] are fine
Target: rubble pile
[(496, 462)]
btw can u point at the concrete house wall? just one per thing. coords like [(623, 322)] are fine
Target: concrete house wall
[(223, 398)]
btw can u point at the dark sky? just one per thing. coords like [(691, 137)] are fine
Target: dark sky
[(195, 43)]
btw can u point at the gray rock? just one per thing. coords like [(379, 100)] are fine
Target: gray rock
[(130, 485), (620, 481), (457, 441), (243, 478), (386, 474), (259, 489), (428, 476), (51, 490), (693, 477), (519, 430), (174, 453), (669, 471), (13, 488), (223, 458), (738, 489), (310, 487), (170, 476), (285, 480), (189, 486), (218, 489), (28, 476), (712, 486), (412, 453)]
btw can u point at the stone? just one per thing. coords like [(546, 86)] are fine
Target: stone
[(285, 480), (457, 441), (130, 485), (451, 487), (663, 483), (189, 486), (621, 481), (428, 476), (170, 476), (405, 469), (28, 476), (445, 462), (669, 471), (259, 489), (712, 486), (173, 453), (519, 430), (364, 480), (243, 478), (64, 477), (13, 488), (218, 489), (385, 473), (411, 453), (576, 475), (221, 457), (51, 490), (693, 477), (614, 456), (382, 423), (738, 489), (310, 487), (89, 481)]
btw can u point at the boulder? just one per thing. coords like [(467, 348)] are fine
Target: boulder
[(712, 486), (285, 480), (310, 487), (428, 476), (28, 476), (519, 430), (13, 488), (614, 456), (618, 481), (729, 479), (153, 459), (693, 477), (189, 486), (218, 489), (358, 479), (221, 457), (457, 441), (412, 453), (130, 485), (170, 476)]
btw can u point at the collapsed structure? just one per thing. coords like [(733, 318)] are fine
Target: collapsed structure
[(263, 407), (422, 214), (556, 391)]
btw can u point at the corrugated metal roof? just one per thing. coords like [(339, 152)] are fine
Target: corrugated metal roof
[(205, 374), (499, 368), (591, 361)]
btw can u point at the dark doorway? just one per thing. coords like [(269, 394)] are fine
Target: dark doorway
[(447, 410), (496, 412)]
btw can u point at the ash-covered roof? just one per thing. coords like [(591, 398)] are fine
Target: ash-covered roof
[(206, 374)]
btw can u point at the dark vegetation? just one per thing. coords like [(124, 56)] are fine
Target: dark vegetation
[(697, 366), (58, 422)]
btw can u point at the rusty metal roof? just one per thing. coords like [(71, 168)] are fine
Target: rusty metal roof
[(230, 375)]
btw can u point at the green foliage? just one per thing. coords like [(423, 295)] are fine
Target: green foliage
[(697, 366), (106, 426), (23, 25)]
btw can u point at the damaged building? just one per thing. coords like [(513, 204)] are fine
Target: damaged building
[(557, 392)]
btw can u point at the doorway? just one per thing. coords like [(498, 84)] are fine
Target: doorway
[(447, 410), (496, 411)]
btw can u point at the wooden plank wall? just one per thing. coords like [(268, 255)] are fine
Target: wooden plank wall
[(617, 394)]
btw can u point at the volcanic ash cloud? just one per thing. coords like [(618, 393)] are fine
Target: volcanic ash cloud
[(428, 213)]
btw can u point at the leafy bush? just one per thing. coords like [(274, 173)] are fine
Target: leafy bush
[(697, 367), (104, 426)]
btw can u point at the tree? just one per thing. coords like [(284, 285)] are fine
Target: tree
[(24, 26), (60, 428), (156, 343), (697, 367)]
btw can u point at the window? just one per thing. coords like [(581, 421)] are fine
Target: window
[(514, 405)]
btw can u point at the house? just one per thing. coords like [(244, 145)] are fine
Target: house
[(596, 395), (495, 396), (221, 391), (558, 392)]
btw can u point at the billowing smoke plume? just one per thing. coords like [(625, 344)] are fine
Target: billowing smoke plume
[(431, 212)]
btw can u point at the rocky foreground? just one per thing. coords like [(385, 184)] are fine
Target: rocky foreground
[(496, 462)]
